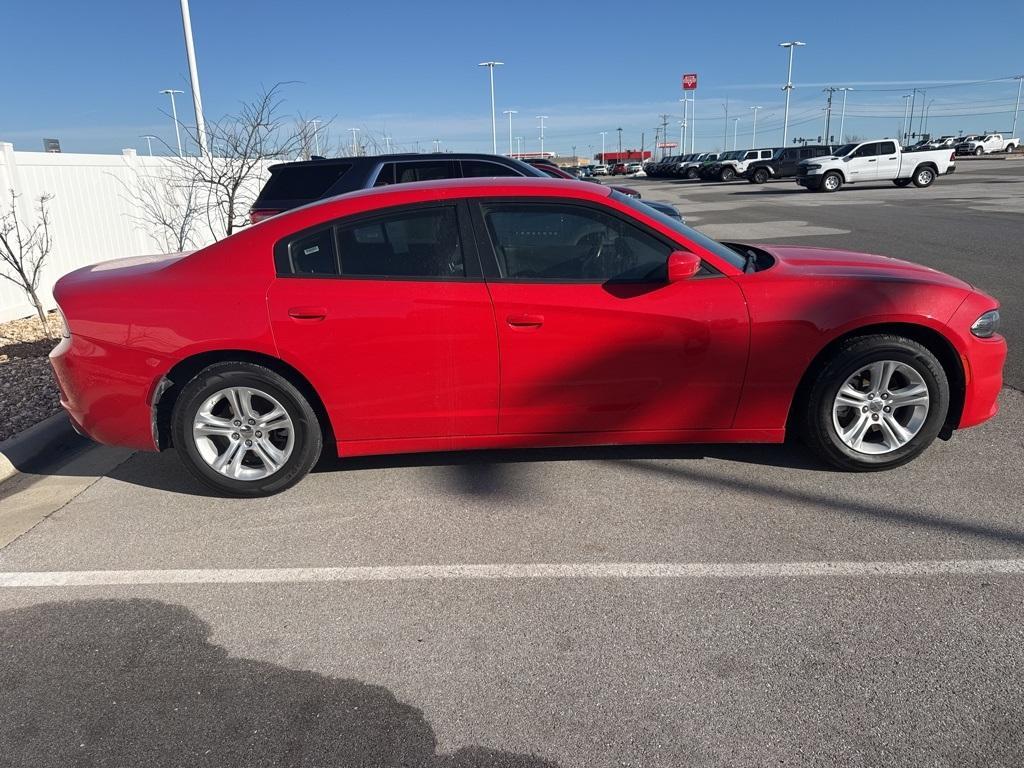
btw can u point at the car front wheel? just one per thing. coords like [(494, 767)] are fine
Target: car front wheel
[(245, 430), (831, 181), (877, 403)]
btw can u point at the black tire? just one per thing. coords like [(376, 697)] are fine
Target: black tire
[(760, 176), (691, 173), (924, 176), (308, 435), (817, 426), (901, 182), (726, 174), (832, 178)]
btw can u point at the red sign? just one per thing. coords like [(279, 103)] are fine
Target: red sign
[(667, 145), (690, 82)]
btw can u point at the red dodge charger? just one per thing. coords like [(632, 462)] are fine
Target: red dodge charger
[(510, 313)]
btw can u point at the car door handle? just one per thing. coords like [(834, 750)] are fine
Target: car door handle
[(307, 313), (525, 321), (872, 160)]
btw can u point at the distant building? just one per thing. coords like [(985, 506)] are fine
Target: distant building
[(625, 156)]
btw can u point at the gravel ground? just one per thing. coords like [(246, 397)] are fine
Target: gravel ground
[(28, 392)]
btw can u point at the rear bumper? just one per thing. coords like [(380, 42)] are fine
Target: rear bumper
[(105, 389)]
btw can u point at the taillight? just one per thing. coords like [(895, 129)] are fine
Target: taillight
[(256, 216), (952, 156)]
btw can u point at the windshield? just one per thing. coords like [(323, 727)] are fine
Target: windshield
[(724, 252), (844, 150)]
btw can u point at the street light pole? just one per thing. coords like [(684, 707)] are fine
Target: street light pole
[(603, 134), (906, 116), (316, 135), (682, 126), (753, 139), (842, 119), (828, 112), (519, 146), (542, 118), (735, 128), (620, 143), (494, 121), (355, 146), (510, 112), (193, 72), (149, 141), (174, 115), (788, 87), (1016, 109)]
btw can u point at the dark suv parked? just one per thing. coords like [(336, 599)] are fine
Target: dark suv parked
[(305, 181), (783, 163), (293, 184)]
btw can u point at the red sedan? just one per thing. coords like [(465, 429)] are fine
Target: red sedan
[(508, 313)]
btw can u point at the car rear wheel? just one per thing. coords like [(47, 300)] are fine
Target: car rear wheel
[(877, 403), (831, 181), (901, 182), (245, 430), (923, 177), (760, 176)]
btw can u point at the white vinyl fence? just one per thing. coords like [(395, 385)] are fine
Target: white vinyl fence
[(95, 213)]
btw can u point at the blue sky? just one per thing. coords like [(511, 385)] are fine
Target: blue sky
[(90, 73)]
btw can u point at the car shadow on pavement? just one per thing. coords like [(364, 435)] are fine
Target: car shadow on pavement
[(137, 682)]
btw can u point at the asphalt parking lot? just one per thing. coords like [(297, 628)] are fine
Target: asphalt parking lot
[(661, 606)]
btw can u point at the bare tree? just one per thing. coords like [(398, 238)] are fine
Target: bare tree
[(24, 250), (167, 205), (241, 147)]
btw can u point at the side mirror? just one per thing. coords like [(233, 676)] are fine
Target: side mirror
[(682, 265)]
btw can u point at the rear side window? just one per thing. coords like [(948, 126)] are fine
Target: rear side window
[(313, 254), (484, 169), (423, 243), (303, 182), (887, 148)]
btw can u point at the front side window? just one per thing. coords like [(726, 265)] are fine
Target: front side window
[(868, 150), (417, 244), (557, 241)]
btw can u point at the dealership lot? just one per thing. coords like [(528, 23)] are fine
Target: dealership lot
[(334, 624)]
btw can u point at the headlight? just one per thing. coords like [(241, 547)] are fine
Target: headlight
[(65, 332), (987, 325)]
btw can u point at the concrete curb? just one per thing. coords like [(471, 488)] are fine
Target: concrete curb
[(37, 444)]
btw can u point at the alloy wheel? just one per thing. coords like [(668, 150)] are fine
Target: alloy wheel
[(881, 407), (243, 433)]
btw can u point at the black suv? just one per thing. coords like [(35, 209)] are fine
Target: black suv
[(783, 163), (304, 181)]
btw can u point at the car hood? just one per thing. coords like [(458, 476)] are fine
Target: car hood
[(827, 262)]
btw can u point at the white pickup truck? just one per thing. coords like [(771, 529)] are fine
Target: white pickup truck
[(879, 160), (989, 143)]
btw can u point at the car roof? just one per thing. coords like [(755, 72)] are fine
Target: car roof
[(453, 188), (388, 158)]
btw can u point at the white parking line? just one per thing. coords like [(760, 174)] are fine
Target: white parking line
[(512, 571)]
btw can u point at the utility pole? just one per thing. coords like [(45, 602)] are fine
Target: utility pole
[(906, 116), (1016, 109), (682, 126), (788, 87), (664, 136), (193, 72), (753, 139), (174, 115), (510, 112), (387, 143), (842, 120), (620, 143), (494, 125), (920, 120), (355, 145), (519, 146), (725, 131), (316, 135), (926, 111), (828, 112), (603, 134), (910, 125), (542, 118), (735, 128), (437, 145)]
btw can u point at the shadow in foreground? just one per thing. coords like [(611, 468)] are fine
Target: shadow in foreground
[(137, 682)]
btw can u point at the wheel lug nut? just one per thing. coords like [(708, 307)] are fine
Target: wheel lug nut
[(871, 395), (249, 442), (252, 421), (259, 434), (865, 409), (234, 435), (887, 409), (238, 423), (874, 417), (885, 395)]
